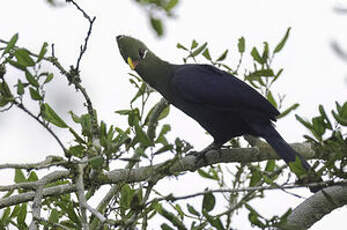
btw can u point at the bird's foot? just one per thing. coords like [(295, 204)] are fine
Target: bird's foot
[(201, 155)]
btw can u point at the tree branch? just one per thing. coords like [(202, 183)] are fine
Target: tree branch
[(50, 161), (188, 163), (315, 207)]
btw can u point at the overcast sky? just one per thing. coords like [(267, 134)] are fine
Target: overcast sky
[(312, 74)]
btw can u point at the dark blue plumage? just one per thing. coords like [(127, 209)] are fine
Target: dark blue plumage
[(224, 105)]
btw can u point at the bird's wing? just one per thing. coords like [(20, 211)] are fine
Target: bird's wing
[(205, 84)]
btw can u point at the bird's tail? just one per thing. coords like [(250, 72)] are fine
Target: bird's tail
[(289, 155)]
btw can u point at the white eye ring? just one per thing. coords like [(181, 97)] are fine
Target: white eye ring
[(143, 53), (119, 37)]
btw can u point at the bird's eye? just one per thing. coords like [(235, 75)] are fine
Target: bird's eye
[(143, 53)]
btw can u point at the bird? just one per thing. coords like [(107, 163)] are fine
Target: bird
[(225, 106)]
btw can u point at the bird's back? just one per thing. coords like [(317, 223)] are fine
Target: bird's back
[(224, 105)]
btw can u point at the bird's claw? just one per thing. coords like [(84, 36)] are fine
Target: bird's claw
[(199, 156)]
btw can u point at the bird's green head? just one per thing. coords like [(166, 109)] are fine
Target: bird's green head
[(153, 70), (133, 51)]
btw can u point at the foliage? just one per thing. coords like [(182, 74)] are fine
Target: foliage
[(97, 145)]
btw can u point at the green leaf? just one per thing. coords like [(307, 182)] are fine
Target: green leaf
[(180, 46), (161, 139), (271, 99), (339, 119), (165, 227), (338, 107), (297, 168), (324, 115), (69, 210), (10, 44), (259, 73), (140, 92), (54, 216), (270, 166), (86, 125), (192, 210), (5, 218), (288, 110), (198, 50), (17, 65), (241, 45), (48, 78), (43, 51), (5, 90), (23, 57), (31, 79), (318, 125), (50, 115), (124, 112), (255, 177), (78, 139), (22, 214), (142, 136), (96, 162), (5, 94), (170, 217), (343, 111), (35, 95), (33, 177), (214, 221), (77, 150), (208, 202), (206, 54), (194, 45), (179, 211), (20, 87), (170, 5), (253, 217), (165, 148), (223, 56), (302, 121), (282, 42), (126, 196), (256, 56), (15, 211), (3, 101), (19, 176), (207, 175), (164, 113), (266, 51), (157, 26), (277, 75)]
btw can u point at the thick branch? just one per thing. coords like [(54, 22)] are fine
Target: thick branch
[(29, 196), (188, 163), (54, 176), (315, 207)]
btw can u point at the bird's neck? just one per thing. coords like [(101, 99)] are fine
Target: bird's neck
[(157, 73)]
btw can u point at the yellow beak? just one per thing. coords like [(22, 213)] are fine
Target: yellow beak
[(131, 63)]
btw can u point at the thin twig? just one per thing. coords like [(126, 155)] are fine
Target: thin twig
[(22, 107), (101, 207), (47, 163), (170, 197)]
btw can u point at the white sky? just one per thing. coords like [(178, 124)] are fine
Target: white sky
[(312, 75)]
